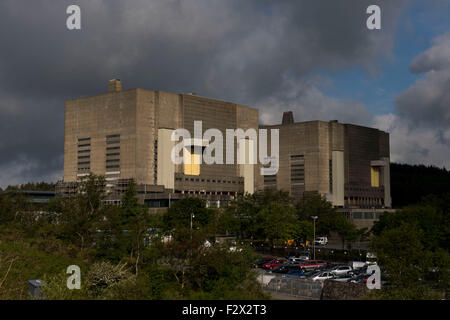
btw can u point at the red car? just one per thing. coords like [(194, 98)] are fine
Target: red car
[(311, 264), (274, 263)]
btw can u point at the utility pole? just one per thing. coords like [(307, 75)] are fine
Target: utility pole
[(314, 237)]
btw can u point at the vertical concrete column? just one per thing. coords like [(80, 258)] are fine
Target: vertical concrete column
[(166, 168), (337, 164), (246, 170)]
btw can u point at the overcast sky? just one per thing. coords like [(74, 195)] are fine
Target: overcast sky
[(316, 58)]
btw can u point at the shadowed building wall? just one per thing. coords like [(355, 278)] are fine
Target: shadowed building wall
[(348, 164)]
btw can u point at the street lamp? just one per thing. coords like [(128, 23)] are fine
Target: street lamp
[(192, 216), (314, 238)]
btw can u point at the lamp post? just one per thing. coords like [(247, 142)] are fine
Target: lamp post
[(192, 216), (314, 238)]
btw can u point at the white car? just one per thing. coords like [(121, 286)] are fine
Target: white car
[(321, 240), (321, 276), (341, 270), (296, 260), (342, 278), (304, 256)]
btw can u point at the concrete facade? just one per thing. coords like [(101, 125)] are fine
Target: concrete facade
[(346, 163), (126, 134)]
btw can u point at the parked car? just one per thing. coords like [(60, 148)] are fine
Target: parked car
[(341, 270), (304, 255), (360, 271), (359, 278), (309, 274), (296, 260), (263, 261), (356, 265), (274, 263), (295, 273), (342, 277), (292, 254), (317, 264), (321, 276), (311, 264), (282, 268), (327, 266), (321, 240)]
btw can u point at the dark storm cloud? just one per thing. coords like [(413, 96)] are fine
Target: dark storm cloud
[(256, 52)]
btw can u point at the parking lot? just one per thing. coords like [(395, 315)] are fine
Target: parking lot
[(297, 272)]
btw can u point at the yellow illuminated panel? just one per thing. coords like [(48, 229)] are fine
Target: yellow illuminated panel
[(375, 176), (191, 163)]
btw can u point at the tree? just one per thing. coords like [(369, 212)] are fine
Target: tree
[(129, 203), (82, 211), (179, 215), (243, 213), (135, 219), (316, 205), (277, 221), (412, 245), (400, 251), (344, 228), (304, 229)]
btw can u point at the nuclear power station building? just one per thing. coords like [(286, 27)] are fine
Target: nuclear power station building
[(126, 134)]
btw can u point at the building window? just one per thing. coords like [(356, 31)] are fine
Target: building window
[(84, 155), (297, 175), (112, 158)]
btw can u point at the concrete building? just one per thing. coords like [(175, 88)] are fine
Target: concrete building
[(126, 134), (348, 164)]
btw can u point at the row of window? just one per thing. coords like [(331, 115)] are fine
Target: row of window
[(84, 155), (297, 169), (112, 158), (112, 153), (208, 180)]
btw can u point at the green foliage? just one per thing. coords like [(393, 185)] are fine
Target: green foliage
[(432, 220), (178, 216), (20, 261), (100, 238), (410, 183), (412, 246), (34, 186), (400, 252), (218, 273), (277, 221)]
